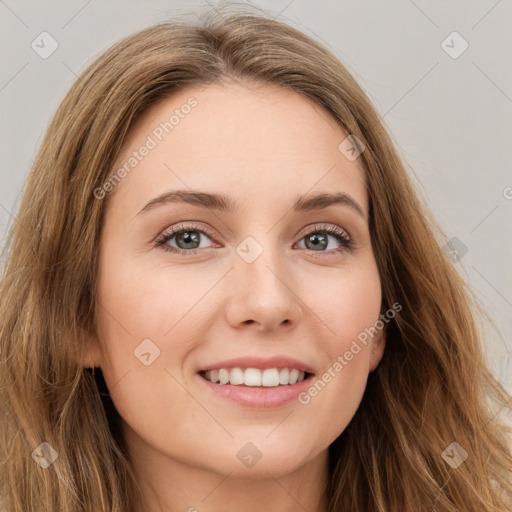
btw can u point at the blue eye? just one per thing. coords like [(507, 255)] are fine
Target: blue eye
[(314, 240), (189, 237)]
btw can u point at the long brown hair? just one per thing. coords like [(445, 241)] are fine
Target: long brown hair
[(431, 389)]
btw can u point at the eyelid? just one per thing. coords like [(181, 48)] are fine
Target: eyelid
[(191, 225), (319, 226)]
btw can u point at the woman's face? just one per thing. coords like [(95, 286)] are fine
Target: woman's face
[(253, 281)]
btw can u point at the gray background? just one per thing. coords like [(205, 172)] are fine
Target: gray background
[(450, 117)]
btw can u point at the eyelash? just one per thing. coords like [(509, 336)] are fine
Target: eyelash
[(336, 232)]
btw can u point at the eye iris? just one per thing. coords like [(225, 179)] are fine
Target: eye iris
[(317, 241), (188, 237)]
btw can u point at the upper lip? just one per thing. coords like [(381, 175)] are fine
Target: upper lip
[(261, 363)]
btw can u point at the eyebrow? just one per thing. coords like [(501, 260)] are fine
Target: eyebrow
[(222, 202)]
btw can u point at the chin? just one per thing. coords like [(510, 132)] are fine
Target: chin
[(258, 458)]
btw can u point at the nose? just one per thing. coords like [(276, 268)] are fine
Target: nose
[(264, 294)]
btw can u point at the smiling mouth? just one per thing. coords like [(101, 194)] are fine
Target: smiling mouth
[(254, 377)]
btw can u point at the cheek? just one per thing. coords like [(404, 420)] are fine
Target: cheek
[(149, 320), (348, 306), (146, 337), (140, 301)]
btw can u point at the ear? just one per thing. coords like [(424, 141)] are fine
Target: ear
[(377, 348)]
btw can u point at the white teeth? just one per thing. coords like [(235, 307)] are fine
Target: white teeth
[(270, 377), (237, 376), (253, 377), (223, 376)]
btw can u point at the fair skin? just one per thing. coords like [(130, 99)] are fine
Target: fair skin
[(264, 147)]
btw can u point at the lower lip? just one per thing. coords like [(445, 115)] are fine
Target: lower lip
[(258, 397)]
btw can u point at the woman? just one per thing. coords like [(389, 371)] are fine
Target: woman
[(223, 292)]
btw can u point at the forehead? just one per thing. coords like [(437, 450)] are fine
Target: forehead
[(258, 143)]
